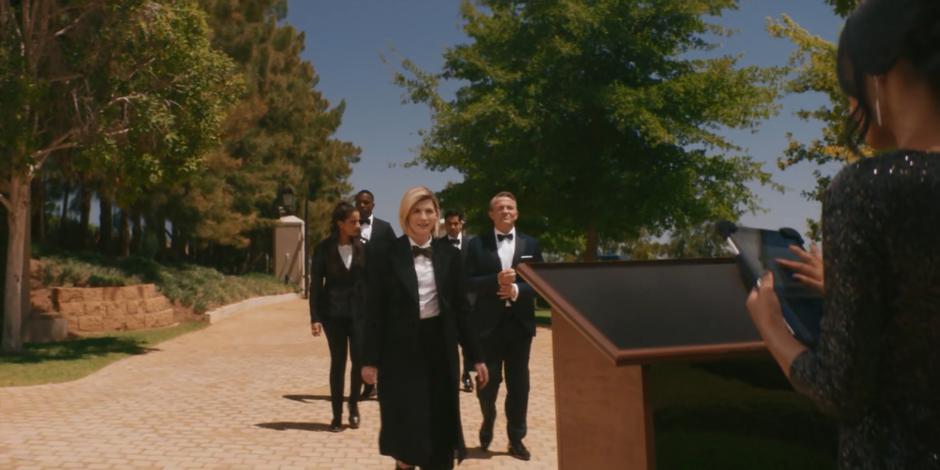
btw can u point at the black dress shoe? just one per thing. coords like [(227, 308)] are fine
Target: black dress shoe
[(486, 437), (336, 425), (354, 420), (467, 383), (517, 449)]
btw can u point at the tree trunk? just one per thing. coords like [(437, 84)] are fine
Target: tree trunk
[(125, 234), (105, 224), (63, 220), (137, 233), (590, 251), (13, 300), (159, 229), (83, 221)]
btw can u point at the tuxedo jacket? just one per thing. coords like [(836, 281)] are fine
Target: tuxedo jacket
[(482, 265), (335, 290), (382, 233), (392, 316)]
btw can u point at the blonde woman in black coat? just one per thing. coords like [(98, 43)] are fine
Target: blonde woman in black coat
[(417, 315), (337, 290)]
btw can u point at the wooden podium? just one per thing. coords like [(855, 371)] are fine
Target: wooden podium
[(609, 321)]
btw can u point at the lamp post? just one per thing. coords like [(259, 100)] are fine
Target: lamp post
[(287, 200)]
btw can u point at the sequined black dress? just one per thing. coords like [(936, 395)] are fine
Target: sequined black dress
[(877, 365)]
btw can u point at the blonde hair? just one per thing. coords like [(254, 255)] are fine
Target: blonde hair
[(409, 200)]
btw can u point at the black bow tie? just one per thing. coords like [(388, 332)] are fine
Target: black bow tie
[(500, 237), (418, 251), (365, 222), (454, 241)]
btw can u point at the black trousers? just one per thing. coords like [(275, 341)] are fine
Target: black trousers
[(342, 335), (442, 399), (507, 354)]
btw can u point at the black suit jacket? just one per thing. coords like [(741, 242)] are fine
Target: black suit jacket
[(382, 233), (336, 291), (482, 265), (393, 344)]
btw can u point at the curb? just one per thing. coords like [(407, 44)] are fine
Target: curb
[(229, 310)]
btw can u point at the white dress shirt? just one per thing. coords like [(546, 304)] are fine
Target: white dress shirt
[(365, 231), (428, 306), (345, 252), (506, 249)]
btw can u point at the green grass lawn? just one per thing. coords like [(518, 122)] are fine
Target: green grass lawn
[(71, 360), (736, 414)]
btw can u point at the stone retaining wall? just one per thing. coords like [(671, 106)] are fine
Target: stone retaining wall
[(96, 309)]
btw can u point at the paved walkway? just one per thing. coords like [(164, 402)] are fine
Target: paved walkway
[(249, 392)]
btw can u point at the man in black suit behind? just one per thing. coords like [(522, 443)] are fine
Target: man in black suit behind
[(504, 315), (453, 234), (377, 234)]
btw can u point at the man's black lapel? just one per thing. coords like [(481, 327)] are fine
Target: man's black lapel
[(519, 251)]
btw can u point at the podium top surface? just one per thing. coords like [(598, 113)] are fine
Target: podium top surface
[(646, 311)]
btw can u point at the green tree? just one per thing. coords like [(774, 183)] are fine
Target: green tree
[(280, 134), (812, 69), (602, 116), (132, 89)]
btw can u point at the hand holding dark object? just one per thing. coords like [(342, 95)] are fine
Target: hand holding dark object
[(809, 269)]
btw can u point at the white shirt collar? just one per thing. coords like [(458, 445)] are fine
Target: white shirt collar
[(414, 243)]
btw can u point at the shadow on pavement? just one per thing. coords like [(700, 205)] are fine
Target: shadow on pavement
[(308, 398), (285, 425), (78, 349)]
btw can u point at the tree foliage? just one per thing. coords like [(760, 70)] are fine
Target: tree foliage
[(605, 117), (129, 89), (812, 69)]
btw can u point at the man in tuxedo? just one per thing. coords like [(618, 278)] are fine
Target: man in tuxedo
[(504, 314), (377, 234), (453, 233)]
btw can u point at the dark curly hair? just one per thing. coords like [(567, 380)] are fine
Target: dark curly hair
[(876, 36)]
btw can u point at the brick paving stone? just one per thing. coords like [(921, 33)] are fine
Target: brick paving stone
[(249, 392)]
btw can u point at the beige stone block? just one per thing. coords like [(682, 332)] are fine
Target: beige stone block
[(90, 323), (73, 324), (117, 309), (135, 322), (41, 300), (61, 295), (94, 308), (72, 309), (92, 294), (156, 304), (130, 293), (148, 290), (110, 293), (164, 318), (112, 324), (132, 307)]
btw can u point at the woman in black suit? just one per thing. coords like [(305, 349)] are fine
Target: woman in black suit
[(337, 290), (418, 313)]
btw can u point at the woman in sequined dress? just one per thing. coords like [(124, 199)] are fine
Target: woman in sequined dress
[(876, 368)]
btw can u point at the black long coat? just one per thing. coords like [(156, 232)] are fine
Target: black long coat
[(392, 344)]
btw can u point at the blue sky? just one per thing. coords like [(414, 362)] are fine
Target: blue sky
[(346, 38)]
